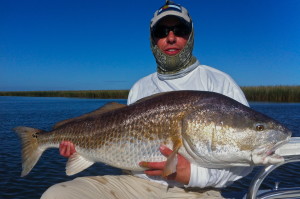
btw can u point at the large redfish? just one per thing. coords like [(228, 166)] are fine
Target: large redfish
[(207, 128)]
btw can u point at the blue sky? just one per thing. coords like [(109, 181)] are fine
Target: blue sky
[(100, 45)]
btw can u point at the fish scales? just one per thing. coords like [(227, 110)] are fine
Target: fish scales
[(204, 127), (123, 130)]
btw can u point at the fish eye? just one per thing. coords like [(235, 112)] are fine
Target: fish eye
[(260, 127)]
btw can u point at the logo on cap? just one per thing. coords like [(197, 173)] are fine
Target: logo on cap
[(169, 7)]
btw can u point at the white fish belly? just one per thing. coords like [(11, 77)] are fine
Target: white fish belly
[(126, 155)]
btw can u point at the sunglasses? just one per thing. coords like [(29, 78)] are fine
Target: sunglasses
[(180, 30)]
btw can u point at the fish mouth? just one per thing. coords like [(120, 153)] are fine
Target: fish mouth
[(271, 150), (266, 155)]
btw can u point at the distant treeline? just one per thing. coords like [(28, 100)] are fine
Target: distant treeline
[(259, 93)]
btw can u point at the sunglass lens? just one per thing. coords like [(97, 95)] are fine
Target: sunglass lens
[(179, 30), (182, 30), (161, 31)]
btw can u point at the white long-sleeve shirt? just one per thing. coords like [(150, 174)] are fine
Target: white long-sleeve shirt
[(202, 78)]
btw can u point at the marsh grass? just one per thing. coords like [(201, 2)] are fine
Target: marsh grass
[(258, 93), (99, 94), (273, 93)]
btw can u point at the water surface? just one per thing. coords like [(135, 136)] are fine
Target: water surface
[(43, 113)]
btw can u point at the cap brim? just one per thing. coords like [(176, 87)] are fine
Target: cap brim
[(170, 13)]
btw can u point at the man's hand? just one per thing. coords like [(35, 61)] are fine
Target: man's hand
[(66, 149), (183, 168)]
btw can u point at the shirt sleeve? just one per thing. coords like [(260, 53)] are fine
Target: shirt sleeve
[(131, 97), (218, 178), (140, 89), (235, 92), (238, 95), (134, 93)]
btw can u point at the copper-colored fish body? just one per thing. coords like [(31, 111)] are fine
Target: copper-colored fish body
[(202, 126)]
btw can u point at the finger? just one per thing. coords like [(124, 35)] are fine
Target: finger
[(66, 148), (72, 148), (154, 172), (153, 165), (160, 173), (61, 147), (62, 150), (67, 152), (165, 150)]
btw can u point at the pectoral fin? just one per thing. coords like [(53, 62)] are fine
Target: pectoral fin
[(76, 164), (172, 160)]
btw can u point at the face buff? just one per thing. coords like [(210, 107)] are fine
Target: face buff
[(167, 64)]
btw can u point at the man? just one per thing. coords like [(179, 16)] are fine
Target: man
[(172, 41)]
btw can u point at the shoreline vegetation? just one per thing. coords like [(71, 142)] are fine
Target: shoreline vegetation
[(290, 94)]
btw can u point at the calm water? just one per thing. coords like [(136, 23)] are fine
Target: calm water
[(43, 113)]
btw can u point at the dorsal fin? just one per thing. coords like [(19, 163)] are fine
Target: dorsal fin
[(150, 97), (106, 108)]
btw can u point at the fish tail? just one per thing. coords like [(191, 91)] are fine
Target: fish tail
[(30, 148)]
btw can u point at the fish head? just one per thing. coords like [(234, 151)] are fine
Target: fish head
[(268, 135), (225, 134)]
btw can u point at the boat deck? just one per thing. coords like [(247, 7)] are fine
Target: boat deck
[(291, 153)]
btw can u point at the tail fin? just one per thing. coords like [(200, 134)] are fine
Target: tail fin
[(30, 148)]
